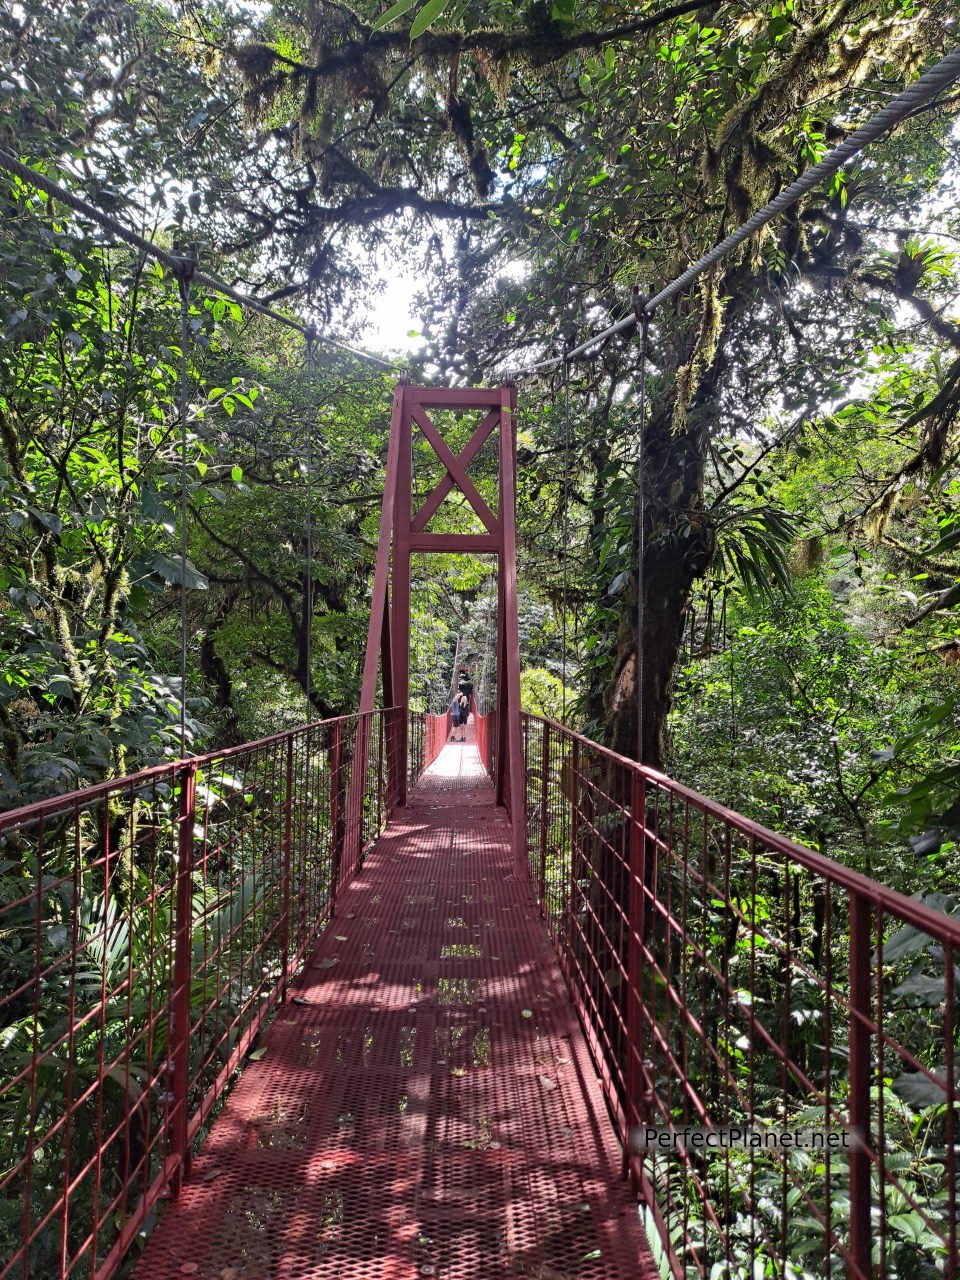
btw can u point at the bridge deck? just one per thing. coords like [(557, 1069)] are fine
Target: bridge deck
[(427, 1105)]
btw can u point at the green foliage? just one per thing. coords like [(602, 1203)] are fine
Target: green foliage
[(574, 148), (89, 481), (789, 722), (543, 694), (427, 16), (752, 548)]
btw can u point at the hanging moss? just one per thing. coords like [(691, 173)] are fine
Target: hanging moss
[(256, 61), (496, 71), (741, 157), (704, 348), (806, 555), (548, 35), (875, 519)]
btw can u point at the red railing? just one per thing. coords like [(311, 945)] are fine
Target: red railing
[(729, 979), (436, 731), (486, 733), (416, 745), (147, 929)]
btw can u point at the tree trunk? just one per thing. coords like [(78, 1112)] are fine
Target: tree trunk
[(218, 678), (679, 543)]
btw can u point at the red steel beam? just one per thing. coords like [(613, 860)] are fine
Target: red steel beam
[(455, 543), (379, 612), (400, 636), (508, 688), (455, 397)]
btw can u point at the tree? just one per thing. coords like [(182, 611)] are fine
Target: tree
[(89, 476), (613, 146), (595, 145)]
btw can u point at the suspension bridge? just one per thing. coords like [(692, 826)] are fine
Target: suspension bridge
[(470, 985), (460, 979)]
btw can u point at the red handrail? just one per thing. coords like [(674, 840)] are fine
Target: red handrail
[(485, 734), (730, 978), (436, 731), (158, 921)]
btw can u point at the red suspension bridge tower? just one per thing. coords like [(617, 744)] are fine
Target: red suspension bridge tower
[(404, 530)]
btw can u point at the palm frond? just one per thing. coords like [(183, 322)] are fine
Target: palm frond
[(753, 547)]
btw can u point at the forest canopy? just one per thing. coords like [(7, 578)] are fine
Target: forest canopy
[(532, 165)]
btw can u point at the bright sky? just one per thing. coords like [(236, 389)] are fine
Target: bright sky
[(392, 317)]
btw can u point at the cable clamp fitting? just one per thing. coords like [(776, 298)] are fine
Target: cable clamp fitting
[(184, 266), (640, 305), (643, 316)]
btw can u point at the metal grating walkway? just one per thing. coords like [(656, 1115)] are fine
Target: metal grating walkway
[(431, 1110)]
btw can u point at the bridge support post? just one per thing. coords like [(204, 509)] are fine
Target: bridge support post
[(639, 1086), (508, 686), (396, 659)]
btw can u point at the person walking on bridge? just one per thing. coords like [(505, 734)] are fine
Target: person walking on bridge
[(460, 710)]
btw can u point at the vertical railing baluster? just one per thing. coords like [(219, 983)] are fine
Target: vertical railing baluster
[(950, 1119), (544, 779), (638, 1099), (287, 846), (861, 1242), (381, 730), (337, 816), (574, 862), (182, 972)]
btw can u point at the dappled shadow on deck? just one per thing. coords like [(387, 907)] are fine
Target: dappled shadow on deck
[(426, 1105)]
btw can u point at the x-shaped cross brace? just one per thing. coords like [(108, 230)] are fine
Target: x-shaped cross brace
[(456, 465)]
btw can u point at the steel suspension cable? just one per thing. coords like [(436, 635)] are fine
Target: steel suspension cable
[(184, 275), (170, 260), (487, 630), (565, 527), (918, 95), (308, 592), (641, 531)]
